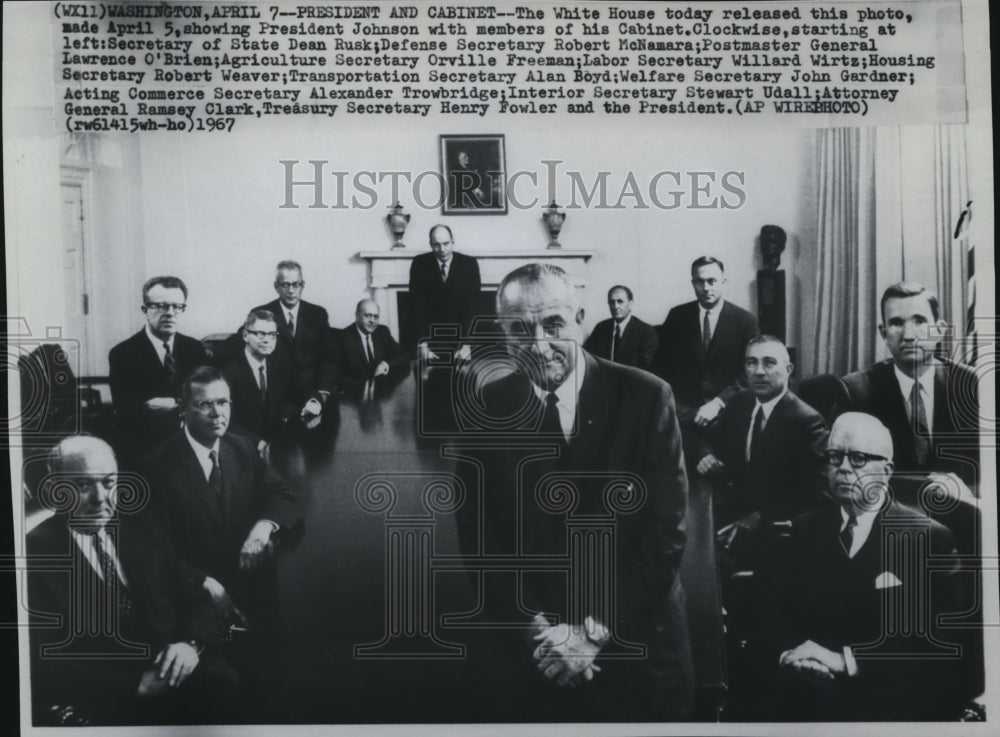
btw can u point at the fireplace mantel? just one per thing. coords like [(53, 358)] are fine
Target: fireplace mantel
[(389, 271)]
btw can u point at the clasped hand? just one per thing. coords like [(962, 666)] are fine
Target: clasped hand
[(564, 654), (814, 661)]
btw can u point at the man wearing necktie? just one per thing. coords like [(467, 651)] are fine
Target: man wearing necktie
[(268, 401), (857, 630), (303, 340), (147, 369), (444, 290), (138, 640), (602, 433), (623, 338), (929, 403), (367, 351), (764, 455), (701, 346)]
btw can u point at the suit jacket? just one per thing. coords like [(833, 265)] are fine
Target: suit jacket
[(310, 351), (251, 414), (207, 531), (352, 361), (696, 375), (862, 602), (436, 302), (627, 431), (167, 606), (137, 374), (786, 475), (955, 430), (637, 347)]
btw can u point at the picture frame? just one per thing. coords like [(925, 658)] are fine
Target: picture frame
[(474, 173)]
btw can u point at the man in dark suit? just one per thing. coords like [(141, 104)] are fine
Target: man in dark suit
[(929, 404), (367, 351), (135, 637), (220, 501), (859, 602), (444, 287), (701, 347), (146, 370), (599, 645), (304, 337), (264, 387), (767, 445), (623, 338)]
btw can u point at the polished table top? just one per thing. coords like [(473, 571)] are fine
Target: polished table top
[(378, 556)]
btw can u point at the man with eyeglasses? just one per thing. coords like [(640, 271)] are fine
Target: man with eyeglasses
[(223, 506), (264, 385), (146, 370), (103, 565), (856, 623), (304, 337)]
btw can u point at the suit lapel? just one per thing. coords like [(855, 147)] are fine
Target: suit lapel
[(591, 417), (198, 486), (890, 396)]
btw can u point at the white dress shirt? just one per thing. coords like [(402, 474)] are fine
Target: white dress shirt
[(713, 318), (926, 380), (161, 352), (767, 408), (201, 453), (86, 545), (568, 394)]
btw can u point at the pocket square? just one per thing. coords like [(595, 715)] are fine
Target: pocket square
[(886, 580)]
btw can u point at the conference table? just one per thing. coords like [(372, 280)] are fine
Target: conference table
[(371, 592)]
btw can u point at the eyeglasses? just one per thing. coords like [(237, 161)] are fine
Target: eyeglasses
[(261, 334), (291, 284), (206, 405), (857, 458), (165, 306)]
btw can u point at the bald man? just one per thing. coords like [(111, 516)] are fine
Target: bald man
[(767, 445), (136, 636), (611, 431), (857, 621), (366, 350)]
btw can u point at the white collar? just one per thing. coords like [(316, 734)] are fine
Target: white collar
[(568, 393), (293, 311), (713, 311), (769, 405), (158, 342), (255, 364), (863, 528), (623, 323), (200, 450), (926, 379), (363, 334)]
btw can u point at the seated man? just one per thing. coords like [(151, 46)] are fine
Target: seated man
[(767, 444), (134, 638), (623, 338), (366, 350), (929, 404), (147, 369), (847, 643), (265, 391)]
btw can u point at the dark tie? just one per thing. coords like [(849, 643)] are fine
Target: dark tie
[(847, 534), (113, 585), (758, 428), (444, 272), (921, 433), (368, 350), (706, 332), (291, 324), (616, 341), (168, 361), (263, 383), (550, 420), (215, 476)]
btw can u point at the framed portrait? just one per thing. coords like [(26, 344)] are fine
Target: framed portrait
[(474, 169)]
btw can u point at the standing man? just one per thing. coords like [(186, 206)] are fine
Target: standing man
[(929, 404), (623, 338), (767, 444), (120, 590), (303, 332), (611, 433), (861, 597), (367, 350), (146, 370), (264, 386), (701, 347), (444, 288)]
